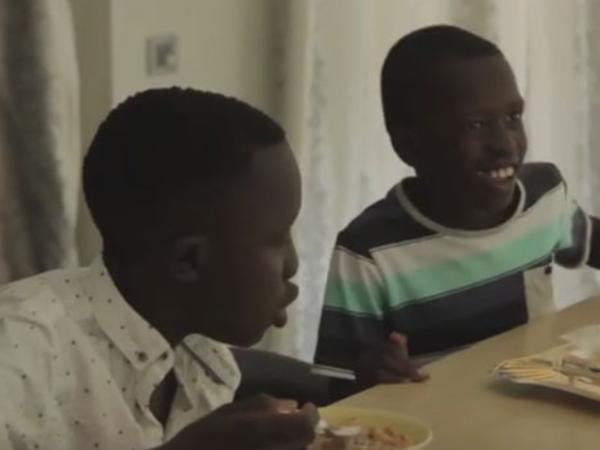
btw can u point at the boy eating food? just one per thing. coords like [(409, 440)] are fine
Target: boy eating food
[(130, 352)]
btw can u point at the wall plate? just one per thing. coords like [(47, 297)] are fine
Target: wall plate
[(162, 54)]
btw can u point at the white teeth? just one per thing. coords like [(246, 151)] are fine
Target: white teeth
[(501, 174)]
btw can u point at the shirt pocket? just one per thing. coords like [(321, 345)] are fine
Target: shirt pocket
[(539, 293)]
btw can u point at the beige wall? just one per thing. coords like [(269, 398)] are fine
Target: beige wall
[(224, 45)]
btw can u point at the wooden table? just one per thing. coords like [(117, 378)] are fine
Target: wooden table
[(468, 408)]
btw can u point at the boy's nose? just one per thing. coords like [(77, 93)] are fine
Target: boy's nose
[(503, 141)]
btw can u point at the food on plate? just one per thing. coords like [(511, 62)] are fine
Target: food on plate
[(583, 351), (527, 368), (578, 364), (351, 435)]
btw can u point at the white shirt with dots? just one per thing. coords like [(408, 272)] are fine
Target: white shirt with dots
[(78, 367)]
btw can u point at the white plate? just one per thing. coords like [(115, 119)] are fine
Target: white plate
[(539, 370), (418, 434)]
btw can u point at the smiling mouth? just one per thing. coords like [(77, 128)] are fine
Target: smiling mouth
[(500, 174)]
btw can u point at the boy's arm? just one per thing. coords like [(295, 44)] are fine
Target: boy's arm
[(579, 239), (260, 423), (280, 376), (29, 414), (594, 258), (353, 317), (354, 333)]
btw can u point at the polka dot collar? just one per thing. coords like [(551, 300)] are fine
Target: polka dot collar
[(139, 342)]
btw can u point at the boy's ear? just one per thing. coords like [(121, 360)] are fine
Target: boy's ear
[(404, 142), (188, 258)]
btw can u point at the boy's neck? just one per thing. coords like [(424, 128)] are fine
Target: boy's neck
[(148, 301), (443, 208)]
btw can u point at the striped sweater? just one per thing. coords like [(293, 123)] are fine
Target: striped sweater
[(393, 269)]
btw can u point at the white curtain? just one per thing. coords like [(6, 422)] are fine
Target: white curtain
[(39, 137), (330, 58)]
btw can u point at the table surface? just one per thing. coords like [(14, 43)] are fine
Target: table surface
[(469, 408)]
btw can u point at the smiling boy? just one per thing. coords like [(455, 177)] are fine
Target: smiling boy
[(464, 249)]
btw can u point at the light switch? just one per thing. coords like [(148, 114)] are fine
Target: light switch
[(162, 54)]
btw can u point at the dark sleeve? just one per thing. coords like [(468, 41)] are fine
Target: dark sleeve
[(575, 241), (572, 244)]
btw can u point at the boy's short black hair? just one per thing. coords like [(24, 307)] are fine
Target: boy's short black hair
[(161, 141), (416, 54)]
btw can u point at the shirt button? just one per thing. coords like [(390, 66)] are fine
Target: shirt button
[(142, 357), (548, 270), (164, 356)]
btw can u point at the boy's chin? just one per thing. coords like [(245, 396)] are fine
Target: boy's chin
[(248, 339), (498, 202)]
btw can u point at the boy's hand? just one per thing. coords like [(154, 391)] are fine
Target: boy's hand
[(261, 423), (390, 364)]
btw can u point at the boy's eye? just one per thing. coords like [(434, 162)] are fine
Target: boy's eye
[(475, 125), (515, 116)]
